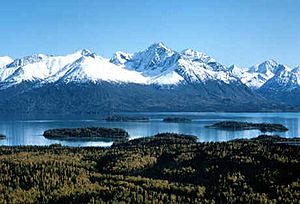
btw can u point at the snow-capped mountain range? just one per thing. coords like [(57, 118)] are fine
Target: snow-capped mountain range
[(257, 75), (157, 64), (195, 75), (272, 80), (284, 86)]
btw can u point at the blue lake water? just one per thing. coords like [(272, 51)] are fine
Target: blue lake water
[(29, 130)]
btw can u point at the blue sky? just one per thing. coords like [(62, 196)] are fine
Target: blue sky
[(243, 32)]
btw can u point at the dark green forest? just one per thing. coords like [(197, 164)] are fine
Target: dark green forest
[(166, 168)]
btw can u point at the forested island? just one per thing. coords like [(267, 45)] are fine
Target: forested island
[(120, 118), (235, 125), (86, 133), (166, 168), (177, 120)]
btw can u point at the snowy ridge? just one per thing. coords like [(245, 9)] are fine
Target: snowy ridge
[(196, 56), (89, 68), (165, 66), (157, 64), (257, 75), (267, 67), (284, 79), (120, 58), (36, 67), (153, 61), (283, 87)]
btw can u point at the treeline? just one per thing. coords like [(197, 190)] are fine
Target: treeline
[(149, 171)]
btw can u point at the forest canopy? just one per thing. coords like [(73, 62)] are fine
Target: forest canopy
[(176, 169)]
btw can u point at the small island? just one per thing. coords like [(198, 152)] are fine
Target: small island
[(159, 139), (177, 120), (235, 125), (2, 137), (86, 133), (119, 118)]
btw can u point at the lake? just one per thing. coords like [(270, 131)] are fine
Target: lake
[(28, 130)]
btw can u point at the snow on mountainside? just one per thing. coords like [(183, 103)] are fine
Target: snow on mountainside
[(197, 56), (26, 69), (157, 64), (153, 61), (257, 75), (36, 67), (94, 68), (251, 79), (283, 87), (237, 71), (165, 66), (157, 79), (284, 79), (119, 58), (5, 60), (267, 67)]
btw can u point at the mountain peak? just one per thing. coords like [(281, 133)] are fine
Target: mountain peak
[(196, 56), (158, 45), (191, 52), (268, 66), (284, 79), (159, 48), (155, 59), (86, 53), (270, 62), (120, 58)]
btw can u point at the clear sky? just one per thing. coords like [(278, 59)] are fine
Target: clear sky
[(243, 32)]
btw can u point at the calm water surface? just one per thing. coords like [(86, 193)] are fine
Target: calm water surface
[(29, 131)]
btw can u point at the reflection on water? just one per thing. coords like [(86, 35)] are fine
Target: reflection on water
[(29, 131)]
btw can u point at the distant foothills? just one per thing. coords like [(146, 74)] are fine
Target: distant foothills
[(155, 79)]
